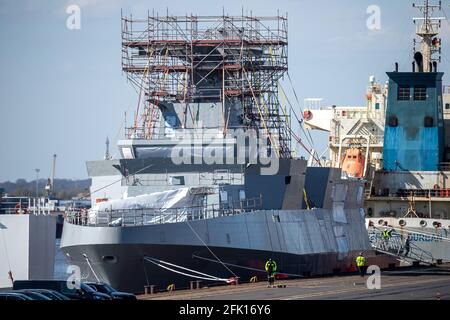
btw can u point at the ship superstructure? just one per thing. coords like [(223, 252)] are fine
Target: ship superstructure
[(407, 125)]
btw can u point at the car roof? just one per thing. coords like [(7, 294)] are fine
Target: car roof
[(33, 293), (15, 294), (50, 291)]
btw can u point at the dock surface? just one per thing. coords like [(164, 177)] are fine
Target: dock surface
[(411, 284)]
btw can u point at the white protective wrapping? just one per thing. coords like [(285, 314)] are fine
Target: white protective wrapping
[(154, 207)]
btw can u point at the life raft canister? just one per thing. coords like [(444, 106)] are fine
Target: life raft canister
[(307, 114), (19, 209)]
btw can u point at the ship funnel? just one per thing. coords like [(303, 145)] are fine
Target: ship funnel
[(419, 61)]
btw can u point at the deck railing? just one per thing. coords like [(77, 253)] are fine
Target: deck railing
[(149, 216), (416, 193)]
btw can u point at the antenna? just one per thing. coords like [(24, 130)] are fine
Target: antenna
[(107, 155), (427, 29)]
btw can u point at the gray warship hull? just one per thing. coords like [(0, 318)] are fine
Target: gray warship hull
[(303, 242)]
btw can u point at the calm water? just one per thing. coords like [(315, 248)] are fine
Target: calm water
[(60, 263)]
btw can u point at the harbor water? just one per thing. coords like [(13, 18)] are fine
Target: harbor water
[(60, 269)]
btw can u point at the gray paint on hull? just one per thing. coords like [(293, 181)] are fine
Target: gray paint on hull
[(287, 233), (131, 272)]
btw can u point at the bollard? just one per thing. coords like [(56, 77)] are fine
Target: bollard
[(149, 289), (198, 284), (191, 285)]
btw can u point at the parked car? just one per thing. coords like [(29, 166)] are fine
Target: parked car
[(13, 296), (33, 295), (52, 294), (113, 293), (85, 292)]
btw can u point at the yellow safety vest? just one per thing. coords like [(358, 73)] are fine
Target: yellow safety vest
[(274, 265), (360, 261)]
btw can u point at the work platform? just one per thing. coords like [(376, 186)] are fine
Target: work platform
[(431, 283)]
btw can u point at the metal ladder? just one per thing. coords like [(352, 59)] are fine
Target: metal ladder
[(397, 246)]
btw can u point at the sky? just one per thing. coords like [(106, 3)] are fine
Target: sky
[(62, 91)]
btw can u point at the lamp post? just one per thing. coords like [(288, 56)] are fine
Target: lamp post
[(37, 182)]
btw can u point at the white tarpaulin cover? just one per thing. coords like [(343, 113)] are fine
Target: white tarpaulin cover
[(162, 207)]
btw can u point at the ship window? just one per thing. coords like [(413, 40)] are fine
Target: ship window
[(377, 106), (223, 196), (403, 93), (420, 93), (177, 180), (242, 195), (447, 106)]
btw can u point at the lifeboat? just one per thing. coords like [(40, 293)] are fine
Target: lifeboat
[(353, 163)]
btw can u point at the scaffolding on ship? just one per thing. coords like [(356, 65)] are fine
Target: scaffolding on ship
[(181, 59)]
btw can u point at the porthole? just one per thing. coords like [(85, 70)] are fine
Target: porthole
[(436, 224), (109, 259)]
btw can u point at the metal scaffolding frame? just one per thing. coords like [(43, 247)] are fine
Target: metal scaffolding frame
[(183, 59)]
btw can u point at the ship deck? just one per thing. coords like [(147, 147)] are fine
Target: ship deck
[(406, 199), (401, 284)]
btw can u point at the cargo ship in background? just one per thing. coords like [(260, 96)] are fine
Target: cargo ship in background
[(191, 196), (27, 241), (30, 229), (399, 143)]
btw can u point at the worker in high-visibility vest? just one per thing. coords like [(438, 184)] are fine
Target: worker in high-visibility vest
[(271, 268), (385, 236), (361, 264)]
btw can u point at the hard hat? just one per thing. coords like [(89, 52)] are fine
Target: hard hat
[(360, 253)]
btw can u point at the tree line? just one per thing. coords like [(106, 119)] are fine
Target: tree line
[(63, 188)]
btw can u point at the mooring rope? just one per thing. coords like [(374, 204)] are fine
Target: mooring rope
[(207, 247), (248, 268), (160, 263), (90, 266)]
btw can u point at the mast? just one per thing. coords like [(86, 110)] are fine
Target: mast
[(427, 29), (50, 182)]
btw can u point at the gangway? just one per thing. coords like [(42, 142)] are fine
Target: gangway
[(399, 245)]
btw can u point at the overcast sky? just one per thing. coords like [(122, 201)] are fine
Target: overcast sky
[(62, 91)]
